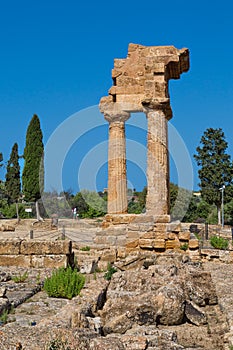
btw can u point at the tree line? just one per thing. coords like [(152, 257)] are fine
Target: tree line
[(32, 176), (215, 174)]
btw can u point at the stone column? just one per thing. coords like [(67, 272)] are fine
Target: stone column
[(117, 179), (157, 201)]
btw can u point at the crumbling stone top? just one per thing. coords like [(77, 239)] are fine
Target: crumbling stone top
[(141, 80)]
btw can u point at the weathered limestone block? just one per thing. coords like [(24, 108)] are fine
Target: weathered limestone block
[(172, 244), (100, 240), (15, 260), (45, 247), (210, 253), (48, 261), (174, 226), (121, 241), (121, 253), (6, 228), (193, 244), (146, 243), (147, 227), (161, 235), (148, 235), (171, 236), (130, 251), (142, 218), (184, 236), (117, 219), (132, 235), (108, 255), (195, 314), (10, 247), (115, 230), (132, 244), (160, 227), (170, 301), (159, 243), (199, 288), (152, 243), (88, 266), (162, 218), (226, 256), (54, 261)]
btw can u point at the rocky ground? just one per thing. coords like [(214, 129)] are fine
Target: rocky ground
[(157, 302), (160, 304)]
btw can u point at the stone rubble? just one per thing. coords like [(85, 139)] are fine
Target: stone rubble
[(168, 303)]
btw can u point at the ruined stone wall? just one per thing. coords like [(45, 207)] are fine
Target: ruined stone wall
[(35, 254)]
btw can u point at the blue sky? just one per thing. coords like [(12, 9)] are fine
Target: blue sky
[(56, 59)]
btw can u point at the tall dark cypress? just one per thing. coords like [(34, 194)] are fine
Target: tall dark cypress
[(33, 171), (13, 185)]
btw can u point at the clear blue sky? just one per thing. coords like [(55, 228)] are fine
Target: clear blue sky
[(56, 59)]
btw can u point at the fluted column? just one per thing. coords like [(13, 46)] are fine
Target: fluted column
[(117, 177), (157, 201)]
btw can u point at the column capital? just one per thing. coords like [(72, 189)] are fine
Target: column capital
[(116, 116), (152, 105)]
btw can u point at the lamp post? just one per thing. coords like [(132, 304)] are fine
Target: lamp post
[(222, 190)]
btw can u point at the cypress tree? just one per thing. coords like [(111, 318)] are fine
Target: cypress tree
[(33, 171), (13, 185)]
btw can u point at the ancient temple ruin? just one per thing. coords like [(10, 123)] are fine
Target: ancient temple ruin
[(140, 84)]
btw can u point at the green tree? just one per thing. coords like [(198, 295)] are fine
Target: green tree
[(33, 171), (13, 185), (215, 168)]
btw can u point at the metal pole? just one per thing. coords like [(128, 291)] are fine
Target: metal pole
[(31, 234)]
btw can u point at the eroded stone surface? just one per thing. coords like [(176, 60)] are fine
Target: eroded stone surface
[(134, 310)]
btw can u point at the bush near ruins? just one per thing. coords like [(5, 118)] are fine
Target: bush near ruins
[(219, 242), (64, 283), (110, 271)]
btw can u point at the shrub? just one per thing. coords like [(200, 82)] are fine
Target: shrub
[(4, 316), (219, 242), (111, 270), (85, 249), (20, 278), (184, 246), (64, 283)]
